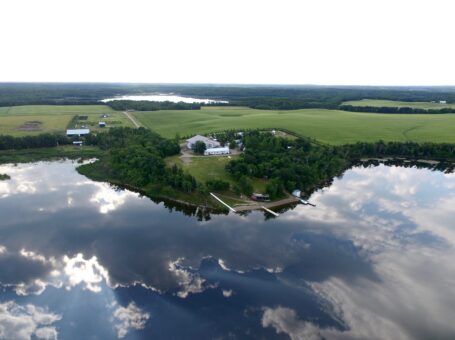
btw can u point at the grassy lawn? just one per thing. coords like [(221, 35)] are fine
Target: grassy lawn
[(392, 103), (330, 126), (205, 168), (36, 119)]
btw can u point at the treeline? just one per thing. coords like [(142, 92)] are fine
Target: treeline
[(143, 105), (286, 164), (387, 109), (429, 151), (135, 157), (302, 164), (276, 97), (30, 142)]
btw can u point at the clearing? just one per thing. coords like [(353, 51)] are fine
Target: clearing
[(36, 119)]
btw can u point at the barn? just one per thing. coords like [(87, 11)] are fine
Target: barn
[(209, 143), (217, 151)]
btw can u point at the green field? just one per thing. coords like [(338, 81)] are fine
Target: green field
[(35, 119), (330, 126), (205, 168), (392, 103)]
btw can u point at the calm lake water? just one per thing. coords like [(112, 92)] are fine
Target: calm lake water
[(80, 260), (166, 98)]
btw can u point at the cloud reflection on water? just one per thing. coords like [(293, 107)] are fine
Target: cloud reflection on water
[(358, 265)]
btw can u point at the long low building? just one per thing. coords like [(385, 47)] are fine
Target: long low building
[(217, 151), (77, 132)]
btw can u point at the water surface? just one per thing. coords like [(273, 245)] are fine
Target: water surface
[(374, 259), (159, 97)]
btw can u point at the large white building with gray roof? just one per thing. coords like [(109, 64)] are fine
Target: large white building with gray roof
[(209, 143)]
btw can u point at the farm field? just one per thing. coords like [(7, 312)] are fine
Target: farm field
[(35, 119), (329, 126), (392, 103)]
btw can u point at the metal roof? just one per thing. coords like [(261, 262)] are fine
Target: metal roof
[(77, 131), (202, 139)]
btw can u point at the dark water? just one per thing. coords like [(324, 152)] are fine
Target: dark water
[(374, 259)]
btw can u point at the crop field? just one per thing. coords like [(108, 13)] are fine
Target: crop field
[(392, 103), (35, 119), (329, 126)]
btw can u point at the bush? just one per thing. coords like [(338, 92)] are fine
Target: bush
[(217, 185)]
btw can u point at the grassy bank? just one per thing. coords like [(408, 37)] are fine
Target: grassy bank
[(98, 171), (329, 126), (46, 154)]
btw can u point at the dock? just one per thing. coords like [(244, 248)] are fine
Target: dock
[(307, 203), (270, 211), (219, 200)]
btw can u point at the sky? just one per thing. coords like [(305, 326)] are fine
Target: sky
[(326, 42)]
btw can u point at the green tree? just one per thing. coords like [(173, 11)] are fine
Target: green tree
[(199, 147)]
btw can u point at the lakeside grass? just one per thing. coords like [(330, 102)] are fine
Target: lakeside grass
[(47, 154), (328, 126), (394, 103), (56, 118), (205, 168)]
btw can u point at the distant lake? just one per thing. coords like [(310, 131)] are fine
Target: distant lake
[(165, 98), (82, 260)]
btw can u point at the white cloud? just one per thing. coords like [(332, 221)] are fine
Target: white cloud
[(189, 282), (130, 317), (233, 41), (22, 322), (227, 293), (89, 272), (285, 320)]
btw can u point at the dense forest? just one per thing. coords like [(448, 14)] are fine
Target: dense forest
[(305, 165), (254, 96), (144, 105)]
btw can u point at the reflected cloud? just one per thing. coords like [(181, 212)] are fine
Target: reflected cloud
[(24, 322), (366, 253), (89, 272), (129, 318)]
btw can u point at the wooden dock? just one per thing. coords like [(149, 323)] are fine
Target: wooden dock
[(219, 200), (270, 211)]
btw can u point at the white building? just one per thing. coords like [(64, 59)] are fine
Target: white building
[(297, 193), (443, 102), (217, 151), (209, 143), (77, 132)]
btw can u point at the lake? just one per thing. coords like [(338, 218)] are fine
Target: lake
[(82, 260), (160, 97)]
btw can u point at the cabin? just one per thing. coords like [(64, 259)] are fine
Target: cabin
[(260, 197), (102, 124), (209, 143), (77, 132), (77, 143), (443, 102), (217, 151), (297, 193)]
